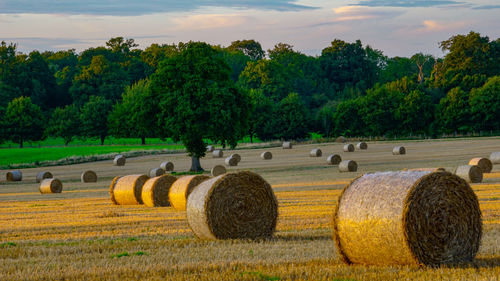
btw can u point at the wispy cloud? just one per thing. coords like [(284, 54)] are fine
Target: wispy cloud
[(358, 13), (407, 3), (209, 21), (486, 7)]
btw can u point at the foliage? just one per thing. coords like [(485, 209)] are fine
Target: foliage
[(93, 116), (64, 123), (485, 105), (23, 121)]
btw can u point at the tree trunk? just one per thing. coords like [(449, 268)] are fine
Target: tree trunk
[(251, 138), (21, 143), (102, 139), (195, 164), (143, 140)]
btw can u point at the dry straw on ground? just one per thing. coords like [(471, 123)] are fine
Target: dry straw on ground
[(233, 206), (333, 159), (399, 150), (362, 145), (181, 188), (348, 166), (43, 175), (167, 166), (51, 185), (218, 170), (236, 156), (210, 148), (16, 175), (495, 157), (127, 190), (266, 155), (217, 153), (231, 161), (349, 147), (341, 139), (88, 176), (407, 218), (316, 152), (156, 172), (155, 191), (287, 145), (119, 160), (440, 169), (483, 163), (470, 173)]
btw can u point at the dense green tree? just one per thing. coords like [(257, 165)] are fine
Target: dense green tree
[(348, 120), (453, 112), (94, 116), (24, 121), (43, 82), (378, 111), (485, 105), (324, 118), (236, 60), (155, 53), (292, 117), (64, 65), (263, 116), (415, 113), (251, 48), (65, 123)]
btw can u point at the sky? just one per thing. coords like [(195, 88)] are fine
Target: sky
[(397, 27)]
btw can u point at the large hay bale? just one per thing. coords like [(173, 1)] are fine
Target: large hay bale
[(218, 170), (495, 157), (399, 150), (89, 176), (210, 148), (119, 160), (407, 218), (51, 185), (237, 156), (287, 145), (155, 191), (348, 166), (233, 206), (316, 152), (348, 147), (470, 173), (127, 190), (231, 161), (362, 145), (483, 163), (180, 190), (43, 175), (16, 175), (266, 155), (333, 159), (156, 172), (167, 166), (217, 153), (341, 139)]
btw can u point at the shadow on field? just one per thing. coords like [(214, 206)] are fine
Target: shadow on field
[(482, 262), (306, 237)]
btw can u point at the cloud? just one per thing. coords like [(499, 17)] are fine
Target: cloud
[(486, 7), (210, 21), (407, 3), (436, 26)]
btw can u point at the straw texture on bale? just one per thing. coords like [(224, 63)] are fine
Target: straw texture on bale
[(348, 166), (217, 153), (362, 145), (155, 191), (167, 166), (316, 152), (43, 175), (341, 139), (210, 148), (156, 172), (119, 160), (127, 190), (266, 155), (237, 156), (89, 176), (399, 150), (440, 169), (348, 147), (287, 145), (180, 190), (16, 175), (218, 170), (495, 157), (233, 206), (231, 161), (333, 159), (483, 163), (470, 173), (407, 218), (51, 185), (112, 190)]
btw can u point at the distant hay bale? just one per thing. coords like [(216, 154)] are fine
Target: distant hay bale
[(266, 155), (440, 169), (349, 147), (362, 145), (218, 170), (316, 152), (127, 190), (210, 148), (167, 166), (470, 173), (348, 166), (16, 175), (217, 153), (89, 176), (51, 185), (340, 139), (495, 157), (231, 161), (407, 218), (43, 175), (287, 145), (483, 163), (156, 172), (181, 188), (233, 206), (155, 191), (237, 156), (119, 160), (333, 159), (399, 150)]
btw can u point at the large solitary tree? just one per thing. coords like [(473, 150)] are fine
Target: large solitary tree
[(23, 121)]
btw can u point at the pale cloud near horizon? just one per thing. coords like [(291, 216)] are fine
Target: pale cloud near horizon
[(209, 21)]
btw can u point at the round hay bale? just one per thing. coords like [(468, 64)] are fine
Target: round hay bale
[(218, 170), (483, 163), (470, 173), (266, 155), (316, 152), (233, 206), (89, 176), (210, 148), (287, 145), (43, 175), (217, 153), (399, 150), (16, 175), (180, 190), (155, 191), (156, 172), (127, 190), (407, 218), (112, 190), (349, 148), (237, 156), (119, 160), (51, 185), (167, 166), (333, 159), (340, 139), (362, 145), (440, 169), (348, 166), (231, 161), (495, 157)]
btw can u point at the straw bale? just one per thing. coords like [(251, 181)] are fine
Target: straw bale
[(348, 147), (362, 145), (470, 173), (266, 155), (407, 218), (237, 156), (495, 157), (156, 172), (348, 166), (112, 190), (217, 153), (333, 159), (51, 185), (180, 190), (119, 160), (231, 161), (287, 145), (233, 206), (43, 175), (316, 152), (218, 170), (399, 150), (89, 176), (440, 169), (483, 163), (341, 139), (127, 190), (155, 191), (16, 175), (167, 166), (210, 148)]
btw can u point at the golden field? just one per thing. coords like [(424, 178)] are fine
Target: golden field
[(80, 235)]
